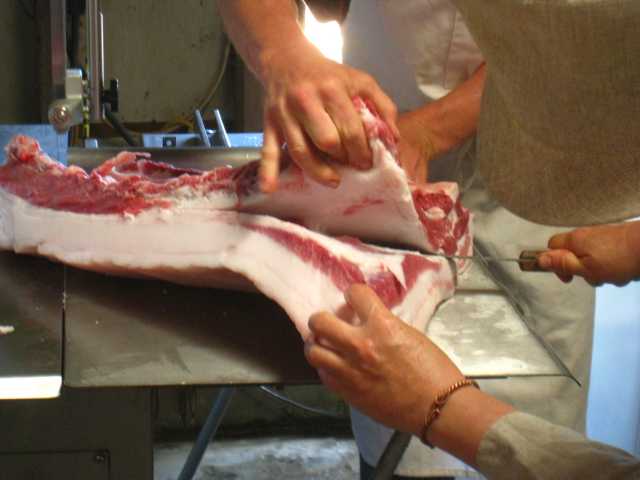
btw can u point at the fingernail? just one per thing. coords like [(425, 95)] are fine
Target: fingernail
[(544, 261), (333, 182), (267, 185)]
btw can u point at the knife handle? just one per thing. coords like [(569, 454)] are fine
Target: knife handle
[(529, 261)]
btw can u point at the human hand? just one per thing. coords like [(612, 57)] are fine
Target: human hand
[(309, 106), (377, 363), (602, 254)]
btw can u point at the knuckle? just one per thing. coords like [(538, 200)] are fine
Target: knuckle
[(300, 97), (367, 81), (298, 151), (313, 353), (578, 237), (318, 320), (392, 110), (366, 351), (565, 265), (329, 142), (330, 87)]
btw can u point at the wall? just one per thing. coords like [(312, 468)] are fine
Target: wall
[(614, 397), (18, 80), (166, 56)]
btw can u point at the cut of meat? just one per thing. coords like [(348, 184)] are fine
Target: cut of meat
[(301, 270), (378, 205), (132, 216)]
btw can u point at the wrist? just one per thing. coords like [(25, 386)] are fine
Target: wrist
[(465, 419), (633, 244), (281, 54)]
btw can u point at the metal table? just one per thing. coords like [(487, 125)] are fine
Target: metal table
[(131, 332), (31, 292)]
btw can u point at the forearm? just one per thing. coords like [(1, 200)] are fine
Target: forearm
[(262, 29), (465, 419), (454, 117)]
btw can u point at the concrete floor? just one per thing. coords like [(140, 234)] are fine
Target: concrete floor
[(284, 458)]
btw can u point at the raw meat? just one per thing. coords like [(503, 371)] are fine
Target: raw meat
[(135, 217), (303, 271)]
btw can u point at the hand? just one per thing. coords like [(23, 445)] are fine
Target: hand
[(309, 106), (602, 254), (379, 364)]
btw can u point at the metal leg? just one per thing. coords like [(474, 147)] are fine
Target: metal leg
[(391, 456), (208, 431)]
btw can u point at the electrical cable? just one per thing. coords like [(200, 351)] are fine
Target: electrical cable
[(182, 120), (301, 406), (218, 81), (120, 128)]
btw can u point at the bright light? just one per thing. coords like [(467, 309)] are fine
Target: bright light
[(326, 36)]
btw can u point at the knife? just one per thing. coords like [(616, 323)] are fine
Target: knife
[(528, 259)]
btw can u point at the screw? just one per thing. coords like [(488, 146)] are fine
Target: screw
[(100, 457), (61, 114)]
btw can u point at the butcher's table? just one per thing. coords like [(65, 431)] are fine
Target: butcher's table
[(82, 330)]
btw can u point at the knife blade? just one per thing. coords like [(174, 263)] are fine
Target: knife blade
[(527, 261)]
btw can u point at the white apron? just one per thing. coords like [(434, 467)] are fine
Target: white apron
[(418, 50)]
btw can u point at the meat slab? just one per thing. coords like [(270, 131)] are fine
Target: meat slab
[(132, 216)]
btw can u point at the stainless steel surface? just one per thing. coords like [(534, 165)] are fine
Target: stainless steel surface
[(31, 302), (201, 158), (123, 332), (478, 259), (95, 60), (527, 261), (221, 132), (58, 15), (204, 136), (483, 332)]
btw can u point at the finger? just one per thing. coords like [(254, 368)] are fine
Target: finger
[(301, 152), (270, 160), (560, 241), (319, 126), (324, 358), (333, 333), (365, 303), (563, 263), (343, 385), (351, 130), (386, 108)]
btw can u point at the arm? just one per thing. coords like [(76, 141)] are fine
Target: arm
[(392, 372), (440, 126), (308, 97), (602, 254)]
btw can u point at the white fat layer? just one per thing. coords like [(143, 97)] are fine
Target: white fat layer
[(194, 242)]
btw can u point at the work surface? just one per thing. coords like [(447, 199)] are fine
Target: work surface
[(132, 332)]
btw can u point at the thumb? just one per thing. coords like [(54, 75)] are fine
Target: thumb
[(365, 303), (563, 263)]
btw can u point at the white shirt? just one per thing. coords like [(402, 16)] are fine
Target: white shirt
[(419, 50)]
